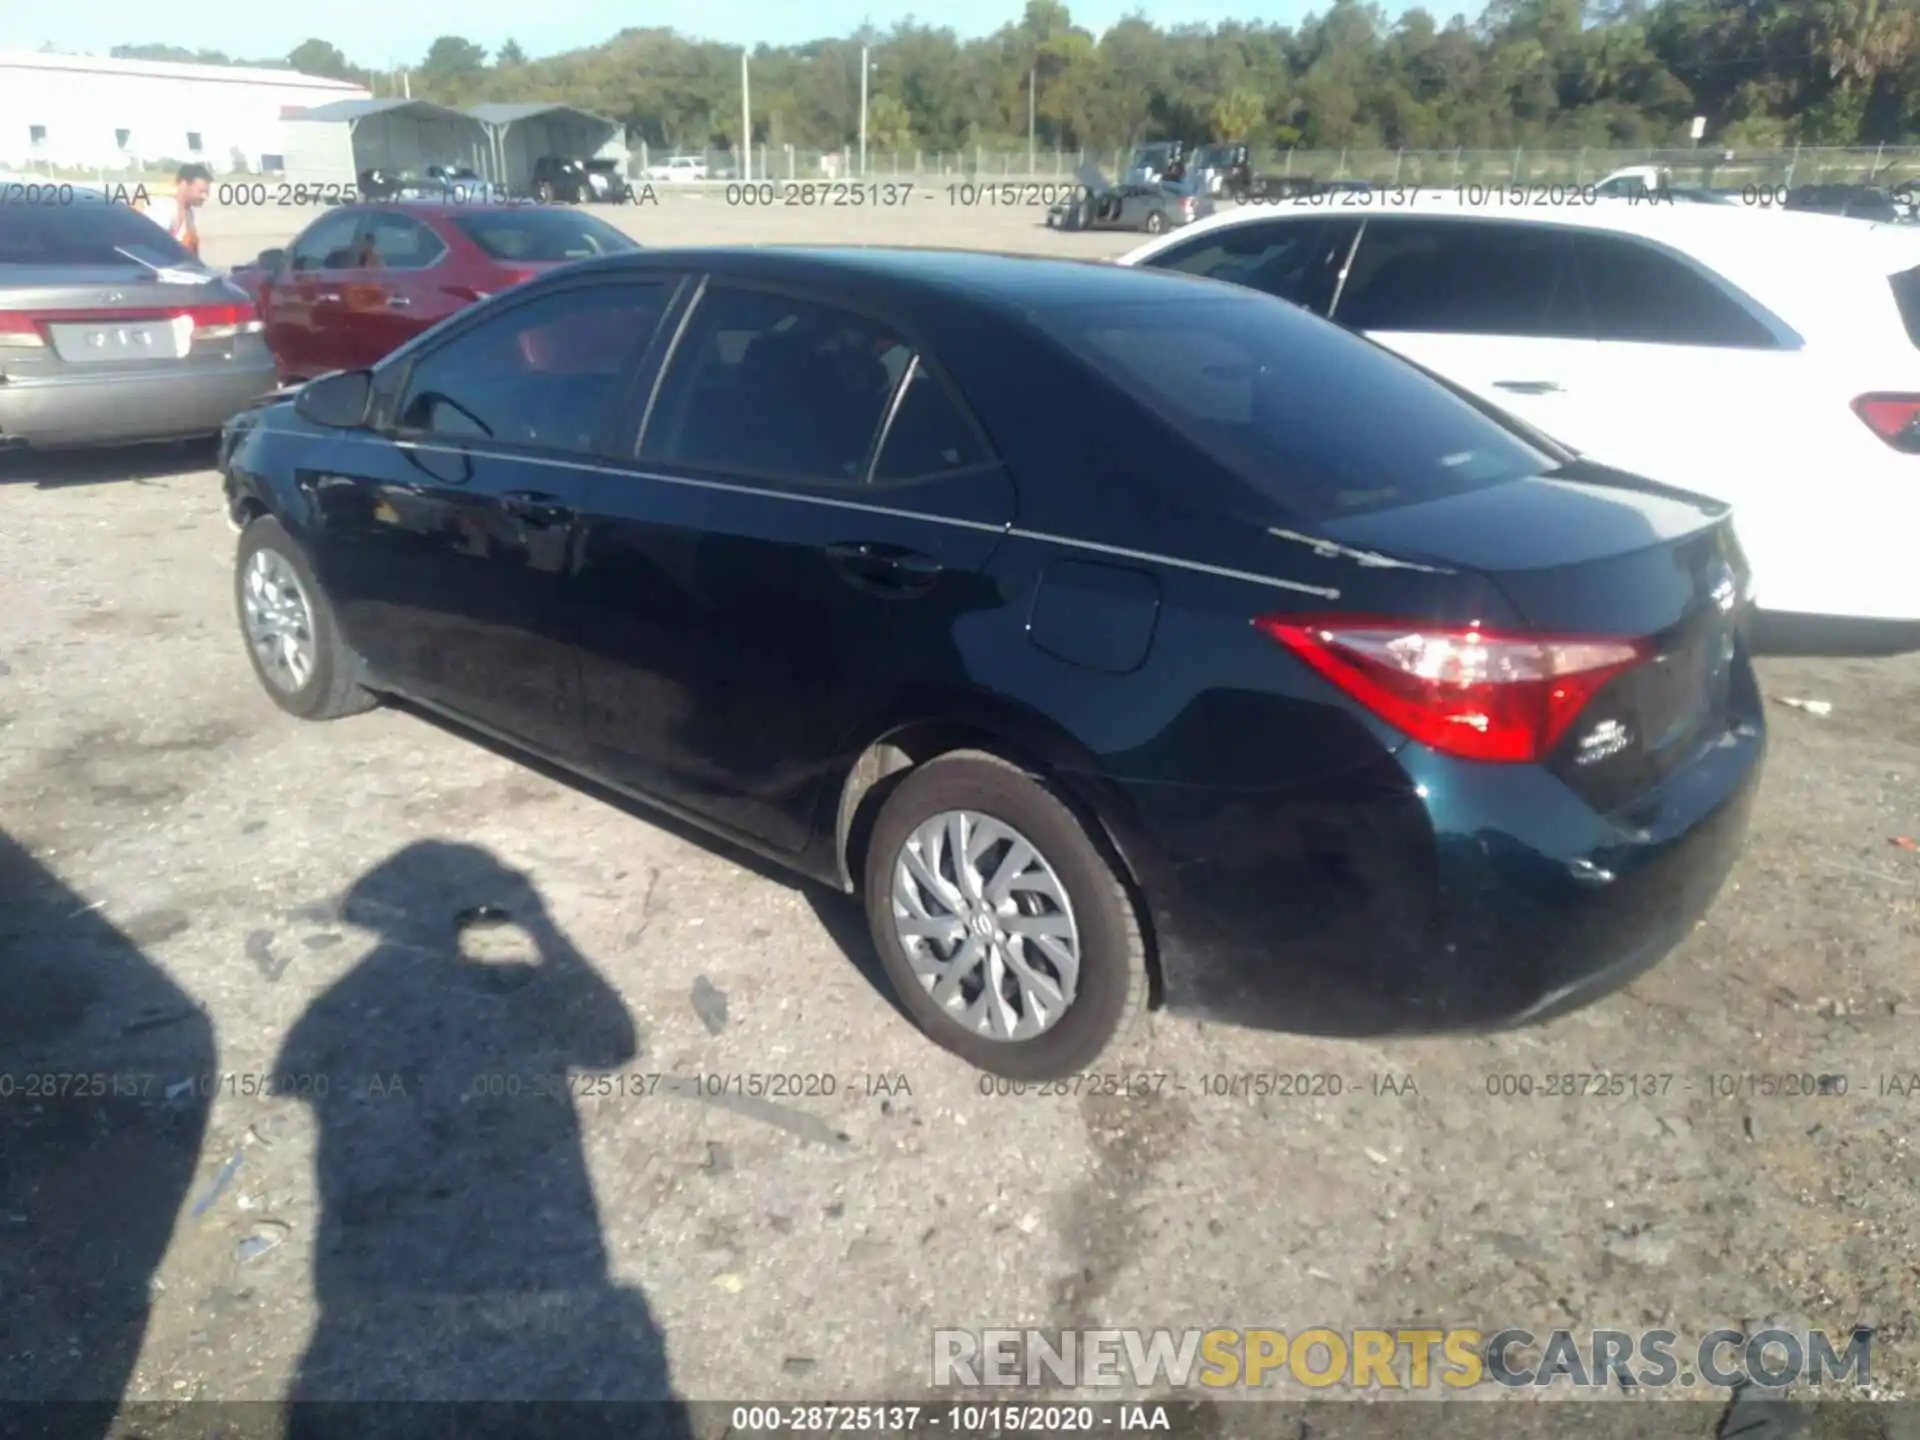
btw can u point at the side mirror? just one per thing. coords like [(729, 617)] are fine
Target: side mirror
[(272, 261), (338, 401)]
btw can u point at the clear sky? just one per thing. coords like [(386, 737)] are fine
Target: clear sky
[(379, 34)]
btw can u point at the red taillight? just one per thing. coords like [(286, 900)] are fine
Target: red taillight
[(220, 322), (1473, 693), (20, 331), (1894, 418)]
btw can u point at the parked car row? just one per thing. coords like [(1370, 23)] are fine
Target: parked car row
[(1281, 669)]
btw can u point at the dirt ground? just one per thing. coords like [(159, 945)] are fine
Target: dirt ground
[(203, 903)]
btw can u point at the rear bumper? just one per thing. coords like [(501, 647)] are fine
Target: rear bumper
[(122, 409), (1429, 895)]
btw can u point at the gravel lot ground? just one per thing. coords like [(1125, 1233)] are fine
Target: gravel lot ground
[(193, 885)]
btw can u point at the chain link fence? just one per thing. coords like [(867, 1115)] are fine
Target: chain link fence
[(1718, 169)]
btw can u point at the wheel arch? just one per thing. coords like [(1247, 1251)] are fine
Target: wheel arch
[(1011, 733)]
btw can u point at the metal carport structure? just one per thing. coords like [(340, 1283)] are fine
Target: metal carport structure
[(335, 143), (522, 133)]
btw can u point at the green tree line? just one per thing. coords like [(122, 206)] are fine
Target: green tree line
[(1538, 73)]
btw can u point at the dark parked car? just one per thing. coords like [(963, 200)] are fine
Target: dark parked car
[(1858, 202), (363, 279), (110, 332), (1256, 670), (561, 179)]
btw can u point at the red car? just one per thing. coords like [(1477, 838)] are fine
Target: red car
[(363, 279)]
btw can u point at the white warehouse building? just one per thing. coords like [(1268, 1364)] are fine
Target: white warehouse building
[(82, 112)]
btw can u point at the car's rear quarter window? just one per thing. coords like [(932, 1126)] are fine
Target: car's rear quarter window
[(534, 237), (1323, 422), (1906, 294)]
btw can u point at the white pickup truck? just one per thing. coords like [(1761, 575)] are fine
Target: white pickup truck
[(679, 167)]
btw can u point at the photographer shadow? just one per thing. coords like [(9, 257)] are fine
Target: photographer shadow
[(459, 1255)]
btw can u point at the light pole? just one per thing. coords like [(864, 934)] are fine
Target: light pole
[(746, 122), (863, 112), (1032, 131)]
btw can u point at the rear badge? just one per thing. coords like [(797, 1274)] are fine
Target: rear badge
[(1603, 742)]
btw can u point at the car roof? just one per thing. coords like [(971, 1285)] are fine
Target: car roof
[(1795, 262), (1014, 285)]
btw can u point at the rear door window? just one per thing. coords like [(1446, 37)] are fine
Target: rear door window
[(1637, 292), (1322, 422), (398, 242), (1462, 277), (1298, 260), (762, 384)]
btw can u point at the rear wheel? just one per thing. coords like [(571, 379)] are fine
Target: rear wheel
[(1156, 222), (1003, 927), (288, 624), (543, 192)]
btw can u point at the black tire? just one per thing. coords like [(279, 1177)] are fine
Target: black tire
[(332, 690), (543, 192), (1112, 985), (1156, 222)]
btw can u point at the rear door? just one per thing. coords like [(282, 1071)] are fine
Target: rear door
[(304, 301), (1491, 305), (447, 542), (769, 576)]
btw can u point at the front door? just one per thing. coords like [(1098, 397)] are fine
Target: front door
[(447, 542), (770, 575), (386, 298), (304, 300)]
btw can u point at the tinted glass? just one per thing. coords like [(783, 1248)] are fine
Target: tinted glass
[(535, 237), (928, 436), (399, 242), (328, 244), (545, 373), (1636, 292), (1297, 260), (1906, 294), (90, 232), (764, 385), (1322, 422), (1461, 278)]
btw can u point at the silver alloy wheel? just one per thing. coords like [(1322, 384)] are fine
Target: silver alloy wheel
[(279, 620), (986, 925)]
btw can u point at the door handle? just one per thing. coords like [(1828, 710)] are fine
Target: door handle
[(1529, 387), (327, 297), (534, 507), (398, 302), (884, 567)]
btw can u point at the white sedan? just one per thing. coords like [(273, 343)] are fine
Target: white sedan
[(1768, 360)]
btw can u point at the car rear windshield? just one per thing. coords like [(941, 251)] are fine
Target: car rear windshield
[(540, 236), (1906, 294), (1320, 420), (89, 231)]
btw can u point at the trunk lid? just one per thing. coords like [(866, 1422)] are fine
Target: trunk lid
[(1593, 552)]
